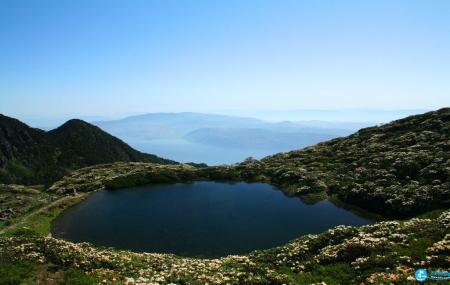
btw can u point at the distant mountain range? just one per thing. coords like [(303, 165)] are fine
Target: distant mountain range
[(255, 138), (226, 131), (173, 125), (338, 115), (29, 155)]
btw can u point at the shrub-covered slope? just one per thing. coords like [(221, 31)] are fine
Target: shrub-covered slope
[(400, 168), (29, 155)]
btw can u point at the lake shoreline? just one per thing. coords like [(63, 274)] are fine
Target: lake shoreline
[(256, 207)]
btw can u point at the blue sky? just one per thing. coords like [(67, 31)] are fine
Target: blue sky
[(108, 58)]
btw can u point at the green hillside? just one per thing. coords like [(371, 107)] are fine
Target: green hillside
[(29, 155), (396, 169)]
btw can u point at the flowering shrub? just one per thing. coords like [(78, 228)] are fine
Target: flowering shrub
[(383, 250)]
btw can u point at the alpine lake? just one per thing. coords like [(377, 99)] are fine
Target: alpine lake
[(198, 219)]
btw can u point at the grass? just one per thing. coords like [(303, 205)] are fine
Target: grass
[(40, 223), (14, 273), (27, 273), (19, 201), (334, 274), (431, 214)]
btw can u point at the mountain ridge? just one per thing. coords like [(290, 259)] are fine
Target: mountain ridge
[(31, 155), (178, 125)]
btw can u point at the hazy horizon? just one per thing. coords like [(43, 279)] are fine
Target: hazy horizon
[(330, 67), (374, 116), (111, 58), (229, 137)]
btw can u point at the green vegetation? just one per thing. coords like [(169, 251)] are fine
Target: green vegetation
[(29, 155), (17, 201), (40, 222), (28, 273), (12, 273), (339, 273), (399, 170), (28, 211)]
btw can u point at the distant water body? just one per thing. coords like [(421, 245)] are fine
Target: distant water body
[(183, 151), (206, 219)]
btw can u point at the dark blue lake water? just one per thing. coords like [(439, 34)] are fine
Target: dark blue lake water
[(198, 219), (184, 151)]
